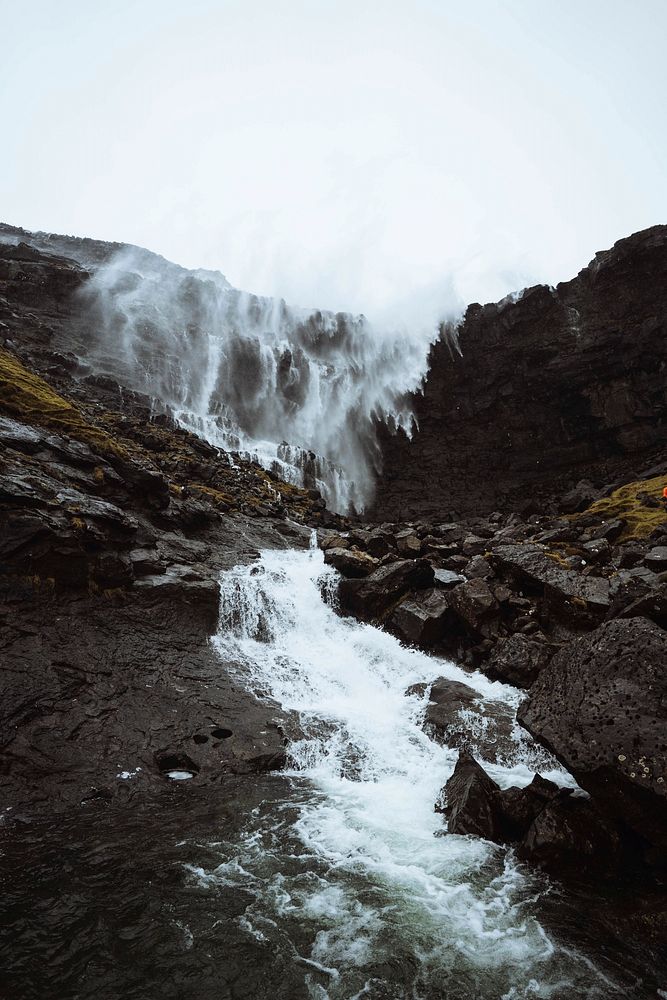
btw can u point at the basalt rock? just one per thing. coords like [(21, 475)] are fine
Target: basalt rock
[(350, 562), (518, 660), (534, 394), (457, 717), (421, 618), (601, 708), (369, 599), (549, 825), (470, 800)]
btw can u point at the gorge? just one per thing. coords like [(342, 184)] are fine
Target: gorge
[(294, 611)]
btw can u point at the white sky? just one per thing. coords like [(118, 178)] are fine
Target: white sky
[(361, 155)]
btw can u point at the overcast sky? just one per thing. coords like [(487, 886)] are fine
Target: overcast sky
[(358, 154)]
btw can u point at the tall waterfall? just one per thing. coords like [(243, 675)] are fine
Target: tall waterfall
[(297, 390), (354, 878)]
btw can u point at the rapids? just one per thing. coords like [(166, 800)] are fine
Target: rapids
[(358, 881)]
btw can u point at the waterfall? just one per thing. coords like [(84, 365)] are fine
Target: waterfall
[(297, 390), (355, 878)]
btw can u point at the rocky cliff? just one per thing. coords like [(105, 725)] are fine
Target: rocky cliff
[(536, 393)]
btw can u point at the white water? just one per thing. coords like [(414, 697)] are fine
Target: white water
[(298, 390), (355, 876)]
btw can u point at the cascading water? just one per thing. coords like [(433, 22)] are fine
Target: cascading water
[(297, 390), (355, 879)]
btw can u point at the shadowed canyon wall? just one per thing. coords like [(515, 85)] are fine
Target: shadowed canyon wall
[(545, 389)]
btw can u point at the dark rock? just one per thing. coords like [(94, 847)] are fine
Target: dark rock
[(656, 558), (478, 569), (566, 589), (420, 618), (518, 660), (579, 497), (570, 835), (519, 807), (349, 562), (408, 543), (485, 727), (475, 606), (446, 699), (370, 598), (471, 806), (598, 550), (601, 708), (332, 540), (561, 386)]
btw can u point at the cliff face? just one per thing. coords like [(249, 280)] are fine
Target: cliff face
[(563, 384)]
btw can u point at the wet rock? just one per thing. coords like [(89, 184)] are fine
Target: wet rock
[(598, 550), (332, 540), (446, 699), (470, 800), (601, 708), (519, 807), (420, 618), (456, 716), (570, 834), (656, 558), (408, 543), (518, 660), (478, 569), (475, 606), (370, 598), (350, 562), (379, 544), (187, 587), (567, 591)]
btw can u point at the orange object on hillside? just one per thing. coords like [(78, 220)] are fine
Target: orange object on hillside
[(664, 492)]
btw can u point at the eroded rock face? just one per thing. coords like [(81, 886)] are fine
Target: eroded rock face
[(547, 390), (601, 708)]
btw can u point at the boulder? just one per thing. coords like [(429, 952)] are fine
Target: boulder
[(370, 598), (486, 727), (518, 660), (565, 589), (350, 562), (476, 607), (521, 806), (478, 568), (656, 558), (331, 540), (408, 543), (421, 617), (570, 835), (470, 800), (601, 708)]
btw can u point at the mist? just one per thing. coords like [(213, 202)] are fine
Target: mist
[(361, 157)]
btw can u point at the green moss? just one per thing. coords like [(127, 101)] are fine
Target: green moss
[(29, 398), (624, 503)]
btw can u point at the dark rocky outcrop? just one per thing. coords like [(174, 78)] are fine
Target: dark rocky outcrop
[(371, 598), (549, 826), (536, 393), (601, 708), (471, 800)]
